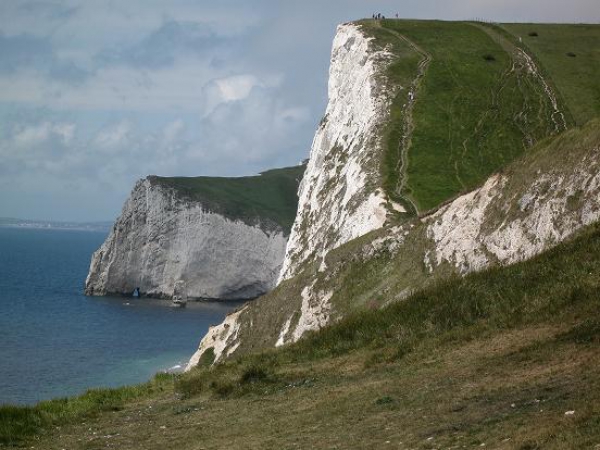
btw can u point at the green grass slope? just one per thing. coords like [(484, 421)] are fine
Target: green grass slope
[(270, 196), (473, 112), (507, 358), (478, 106), (570, 54)]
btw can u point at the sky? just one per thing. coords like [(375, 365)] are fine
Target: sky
[(95, 94)]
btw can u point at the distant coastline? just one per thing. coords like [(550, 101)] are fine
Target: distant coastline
[(9, 222)]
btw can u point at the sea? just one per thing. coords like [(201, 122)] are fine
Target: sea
[(56, 342)]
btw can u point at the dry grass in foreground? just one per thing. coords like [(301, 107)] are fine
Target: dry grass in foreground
[(505, 359)]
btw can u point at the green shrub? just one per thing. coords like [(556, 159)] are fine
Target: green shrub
[(223, 388), (254, 374), (17, 422), (207, 358)]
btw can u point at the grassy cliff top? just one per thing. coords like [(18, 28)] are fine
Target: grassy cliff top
[(270, 197), (483, 95)]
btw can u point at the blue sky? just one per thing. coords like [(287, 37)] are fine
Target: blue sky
[(96, 94)]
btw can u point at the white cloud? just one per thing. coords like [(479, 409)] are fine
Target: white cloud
[(177, 88), (32, 135), (256, 128), (172, 131), (114, 136), (65, 130), (236, 87)]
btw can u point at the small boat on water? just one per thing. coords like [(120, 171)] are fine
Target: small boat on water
[(179, 294), (178, 302)]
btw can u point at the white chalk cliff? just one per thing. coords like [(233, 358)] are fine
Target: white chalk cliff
[(162, 238), (532, 205), (340, 197)]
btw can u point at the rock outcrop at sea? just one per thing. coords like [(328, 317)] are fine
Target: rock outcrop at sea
[(163, 238)]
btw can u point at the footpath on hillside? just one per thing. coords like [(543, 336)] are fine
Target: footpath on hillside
[(522, 58), (408, 123)]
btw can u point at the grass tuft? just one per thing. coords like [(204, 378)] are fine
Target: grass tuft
[(17, 423), (587, 332), (207, 358), (254, 374)]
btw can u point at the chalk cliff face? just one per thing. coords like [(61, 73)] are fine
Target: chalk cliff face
[(162, 238), (531, 206), (340, 197), (345, 252), (506, 220)]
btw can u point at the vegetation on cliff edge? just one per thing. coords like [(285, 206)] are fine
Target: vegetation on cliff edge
[(569, 54), (270, 196)]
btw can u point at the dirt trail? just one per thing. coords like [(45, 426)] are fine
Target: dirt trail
[(522, 58), (407, 115), (558, 117)]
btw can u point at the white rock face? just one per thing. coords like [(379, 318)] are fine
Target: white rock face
[(160, 239), (314, 314), (552, 208), (340, 198), (456, 228), (217, 338)]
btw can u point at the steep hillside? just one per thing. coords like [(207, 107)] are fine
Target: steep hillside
[(507, 358), (528, 207), (216, 238), (465, 97), (418, 112)]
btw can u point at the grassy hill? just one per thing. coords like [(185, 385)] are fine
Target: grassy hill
[(270, 196), (499, 358), (477, 103)]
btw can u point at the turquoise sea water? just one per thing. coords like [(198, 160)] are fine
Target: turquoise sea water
[(55, 342)]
